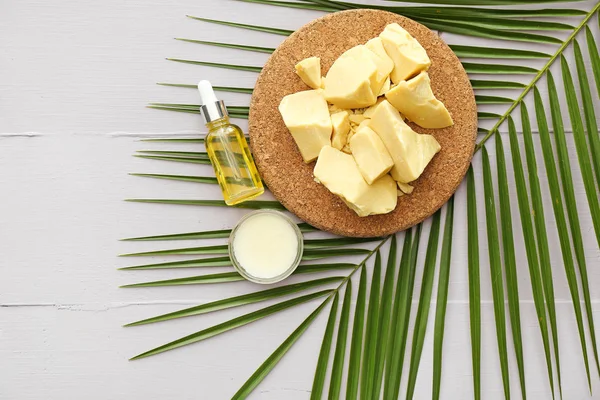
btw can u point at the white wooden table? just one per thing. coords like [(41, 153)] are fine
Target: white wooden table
[(74, 79)]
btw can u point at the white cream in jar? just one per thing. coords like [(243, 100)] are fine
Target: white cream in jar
[(266, 246)]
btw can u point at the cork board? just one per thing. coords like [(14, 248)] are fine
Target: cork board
[(278, 158)]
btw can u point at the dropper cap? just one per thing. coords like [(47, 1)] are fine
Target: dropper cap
[(211, 108)]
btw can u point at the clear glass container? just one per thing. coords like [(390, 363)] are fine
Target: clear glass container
[(288, 271), (233, 164)]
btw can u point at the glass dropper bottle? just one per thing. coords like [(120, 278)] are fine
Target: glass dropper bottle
[(228, 151)]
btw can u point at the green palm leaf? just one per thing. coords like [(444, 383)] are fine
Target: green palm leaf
[(340, 346), (196, 263), (176, 140), (237, 301), (231, 324), (185, 178), (480, 99), (216, 88), (253, 204), (187, 154), (224, 233), (594, 56), (218, 65), (400, 316), (304, 227), (316, 254), (324, 5), (497, 69), (196, 107), (475, 29), (568, 191), (507, 24), (357, 338), (192, 160), (267, 50), (370, 344), (561, 222), (483, 84), (581, 147), (321, 371), (489, 12), (488, 115), (541, 234), (310, 268), (492, 52), (531, 250), (510, 262), (474, 282), (442, 298), (588, 108), (219, 249), (309, 244), (276, 31), (424, 304), (338, 241), (277, 355), (223, 277), (291, 4), (385, 307), (308, 255), (487, 2), (495, 270)]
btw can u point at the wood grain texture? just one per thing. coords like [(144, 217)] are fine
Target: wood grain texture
[(279, 160)]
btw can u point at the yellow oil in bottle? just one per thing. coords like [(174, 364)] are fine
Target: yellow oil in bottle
[(233, 164)]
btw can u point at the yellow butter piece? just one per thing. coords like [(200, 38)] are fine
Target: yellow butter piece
[(356, 118), (350, 81), (339, 173), (384, 67), (405, 187), (410, 151), (370, 154), (362, 124), (376, 46), (346, 148), (371, 110), (416, 101), (386, 87), (334, 109), (408, 55), (341, 128), (307, 117), (309, 70)]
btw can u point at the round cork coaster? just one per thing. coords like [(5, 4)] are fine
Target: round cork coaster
[(278, 158)]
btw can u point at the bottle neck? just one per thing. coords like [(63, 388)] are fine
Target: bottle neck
[(217, 123)]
